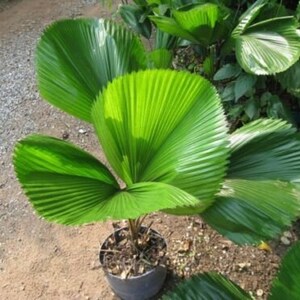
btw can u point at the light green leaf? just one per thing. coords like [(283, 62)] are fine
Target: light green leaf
[(268, 47), (175, 134), (75, 60), (249, 211), (69, 186), (199, 21), (170, 26), (205, 287), (286, 284), (160, 59)]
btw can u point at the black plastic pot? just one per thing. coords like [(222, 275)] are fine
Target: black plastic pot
[(140, 287)]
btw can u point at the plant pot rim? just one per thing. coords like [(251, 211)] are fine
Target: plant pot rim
[(131, 277)]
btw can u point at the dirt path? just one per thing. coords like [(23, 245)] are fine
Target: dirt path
[(40, 260), (47, 261)]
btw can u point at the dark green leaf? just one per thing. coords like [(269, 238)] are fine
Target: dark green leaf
[(207, 286), (287, 282), (249, 211), (136, 18), (252, 108), (258, 201), (228, 71), (243, 84), (228, 92), (265, 150), (75, 60), (290, 79)]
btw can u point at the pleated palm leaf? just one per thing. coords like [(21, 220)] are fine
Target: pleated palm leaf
[(201, 24), (215, 286), (165, 136)]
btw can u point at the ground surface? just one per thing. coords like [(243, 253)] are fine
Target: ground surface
[(47, 261)]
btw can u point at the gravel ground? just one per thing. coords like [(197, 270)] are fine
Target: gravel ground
[(19, 99)]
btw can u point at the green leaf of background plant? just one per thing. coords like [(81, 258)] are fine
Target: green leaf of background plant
[(286, 284), (170, 26), (75, 60), (207, 286), (252, 108), (249, 211), (290, 79), (136, 18), (199, 21), (69, 186), (164, 126), (160, 59), (248, 17), (227, 71), (243, 84), (268, 47)]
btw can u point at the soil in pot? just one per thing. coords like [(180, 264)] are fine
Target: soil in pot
[(134, 271)]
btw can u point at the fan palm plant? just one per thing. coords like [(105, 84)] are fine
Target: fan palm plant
[(165, 136)]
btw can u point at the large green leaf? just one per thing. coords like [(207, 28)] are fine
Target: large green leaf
[(75, 59), (69, 186), (166, 126), (265, 150), (207, 286), (268, 47), (170, 26), (202, 24), (290, 79), (286, 284), (199, 21), (258, 201), (248, 212)]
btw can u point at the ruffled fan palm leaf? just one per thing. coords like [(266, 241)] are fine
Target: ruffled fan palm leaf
[(202, 24), (75, 60), (167, 144), (259, 196), (266, 47)]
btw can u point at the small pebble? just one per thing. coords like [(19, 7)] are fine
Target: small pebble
[(287, 234), (285, 241), (259, 292), (82, 131)]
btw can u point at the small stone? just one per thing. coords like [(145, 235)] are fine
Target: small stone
[(287, 234), (285, 241), (244, 266), (259, 292), (65, 135), (82, 131)]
